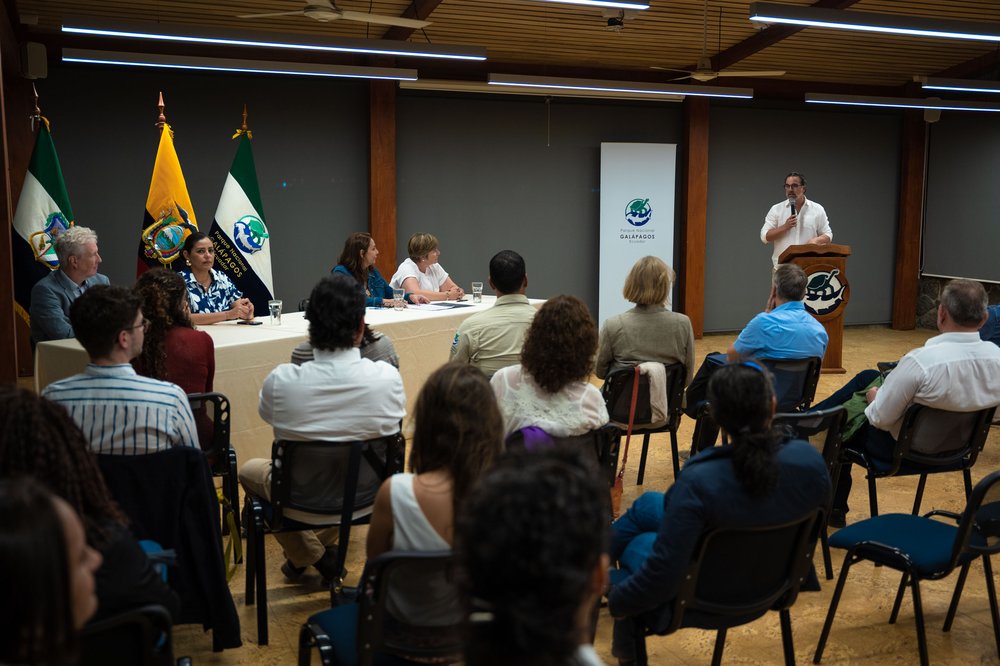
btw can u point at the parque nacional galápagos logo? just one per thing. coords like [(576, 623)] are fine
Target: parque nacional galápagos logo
[(824, 292), (638, 212), (250, 234)]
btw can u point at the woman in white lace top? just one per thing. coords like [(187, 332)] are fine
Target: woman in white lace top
[(549, 389)]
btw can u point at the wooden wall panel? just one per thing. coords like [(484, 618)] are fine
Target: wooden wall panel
[(911, 211), (694, 212), (382, 173)]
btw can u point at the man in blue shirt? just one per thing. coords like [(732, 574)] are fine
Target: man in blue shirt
[(990, 331), (783, 331)]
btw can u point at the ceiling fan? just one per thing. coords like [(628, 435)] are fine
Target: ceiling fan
[(325, 11), (703, 71)]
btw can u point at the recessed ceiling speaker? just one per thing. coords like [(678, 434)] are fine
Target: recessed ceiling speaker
[(34, 63)]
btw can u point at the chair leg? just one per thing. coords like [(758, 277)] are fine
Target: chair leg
[(992, 592), (786, 636), (967, 477), (827, 562), (305, 645), (261, 588), (918, 611), (920, 494), (828, 623), (642, 460), (639, 642), (251, 564), (872, 494), (956, 596), (674, 453), (894, 615), (720, 645)]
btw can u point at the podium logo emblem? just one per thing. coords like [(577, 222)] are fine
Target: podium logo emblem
[(638, 212), (824, 292)]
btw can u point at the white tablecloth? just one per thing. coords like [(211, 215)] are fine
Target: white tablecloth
[(245, 355)]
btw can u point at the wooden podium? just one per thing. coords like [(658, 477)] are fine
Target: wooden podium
[(827, 292)]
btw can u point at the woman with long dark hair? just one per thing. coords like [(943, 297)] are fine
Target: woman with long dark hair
[(358, 260), (549, 388), (754, 480), (212, 295), (38, 438), (46, 573)]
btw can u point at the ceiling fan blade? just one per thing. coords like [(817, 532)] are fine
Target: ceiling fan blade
[(762, 72), (681, 78), (670, 69), (298, 12), (385, 20)]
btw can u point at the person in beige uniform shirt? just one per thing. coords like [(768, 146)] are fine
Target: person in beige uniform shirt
[(649, 331), (492, 340)]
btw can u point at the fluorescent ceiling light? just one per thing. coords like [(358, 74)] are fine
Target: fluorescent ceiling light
[(617, 4), (819, 17), (900, 102), (483, 87), (547, 83), (958, 85), (218, 37), (234, 65)]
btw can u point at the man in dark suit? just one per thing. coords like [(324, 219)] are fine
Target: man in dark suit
[(51, 296)]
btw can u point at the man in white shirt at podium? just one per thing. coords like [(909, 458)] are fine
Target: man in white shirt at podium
[(796, 220)]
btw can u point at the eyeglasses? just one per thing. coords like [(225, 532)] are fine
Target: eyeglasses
[(792, 187), (144, 325)]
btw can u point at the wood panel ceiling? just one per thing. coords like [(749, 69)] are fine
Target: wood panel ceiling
[(547, 38)]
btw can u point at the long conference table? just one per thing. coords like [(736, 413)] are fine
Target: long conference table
[(245, 355)]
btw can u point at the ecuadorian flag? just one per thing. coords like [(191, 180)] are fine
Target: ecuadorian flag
[(239, 232), (169, 217), (43, 212)]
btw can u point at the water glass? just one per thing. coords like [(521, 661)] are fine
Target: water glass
[(477, 292), (274, 308), (397, 299)]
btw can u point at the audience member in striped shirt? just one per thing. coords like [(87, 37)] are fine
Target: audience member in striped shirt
[(119, 411)]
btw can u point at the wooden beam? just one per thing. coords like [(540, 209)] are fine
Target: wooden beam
[(971, 69), (418, 9), (911, 203), (382, 172), (694, 212), (767, 37)]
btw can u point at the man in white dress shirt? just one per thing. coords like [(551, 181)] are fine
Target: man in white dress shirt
[(796, 220), (339, 396)]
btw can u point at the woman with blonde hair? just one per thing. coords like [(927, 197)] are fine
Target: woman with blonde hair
[(649, 331), (420, 273)]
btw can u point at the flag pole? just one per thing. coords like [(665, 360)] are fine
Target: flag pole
[(243, 128), (162, 120)]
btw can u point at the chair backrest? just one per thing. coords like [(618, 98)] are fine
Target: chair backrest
[(932, 436), (741, 573), (795, 381), (617, 392), (212, 417), (979, 528), (137, 637), (331, 477), (803, 425), (409, 607), (600, 446)]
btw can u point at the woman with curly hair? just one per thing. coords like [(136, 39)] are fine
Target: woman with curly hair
[(358, 260), (46, 573), (549, 389), (38, 438), (754, 481)]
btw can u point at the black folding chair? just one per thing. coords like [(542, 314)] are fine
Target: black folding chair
[(924, 549), (136, 637), (725, 587), (931, 441), (599, 446), (804, 425), (617, 392), (335, 481), (354, 633), (213, 419)]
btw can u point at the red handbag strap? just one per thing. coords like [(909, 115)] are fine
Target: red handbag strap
[(631, 419)]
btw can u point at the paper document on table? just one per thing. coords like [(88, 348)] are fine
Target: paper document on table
[(429, 307)]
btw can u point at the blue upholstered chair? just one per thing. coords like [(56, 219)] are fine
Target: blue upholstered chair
[(925, 549)]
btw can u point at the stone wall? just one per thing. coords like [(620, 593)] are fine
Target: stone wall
[(930, 296)]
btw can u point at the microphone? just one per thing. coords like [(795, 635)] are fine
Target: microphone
[(791, 203)]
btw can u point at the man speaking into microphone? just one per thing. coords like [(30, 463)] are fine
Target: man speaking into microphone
[(796, 220)]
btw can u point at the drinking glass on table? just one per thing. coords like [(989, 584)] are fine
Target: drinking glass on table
[(397, 299), (274, 308), (477, 292)]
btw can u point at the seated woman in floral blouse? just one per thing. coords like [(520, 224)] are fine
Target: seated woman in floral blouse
[(211, 294)]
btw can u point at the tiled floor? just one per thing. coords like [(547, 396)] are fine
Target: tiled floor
[(860, 634)]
